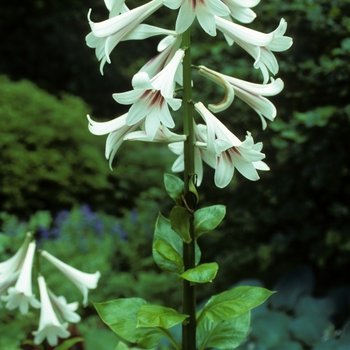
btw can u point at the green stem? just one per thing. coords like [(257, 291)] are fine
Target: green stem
[(189, 292), (37, 261), (170, 338)]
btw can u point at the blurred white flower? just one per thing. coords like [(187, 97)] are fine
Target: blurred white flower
[(257, 44), (21, 294), (82, 280), (230, 152), (6, 283), (250, 93), (9, 269), (49, 325), (12, 266), (63, 310), (151, 97)]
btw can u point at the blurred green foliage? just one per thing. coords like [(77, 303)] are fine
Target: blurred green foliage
[(49, 160)]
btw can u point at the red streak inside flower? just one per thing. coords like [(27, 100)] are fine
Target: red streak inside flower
[(154, 97), (236, 150), (229, 158), (146, 94), (225, 157), (157, 99), (195, 2)]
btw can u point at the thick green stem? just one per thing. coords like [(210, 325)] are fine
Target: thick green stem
[(189, 293)]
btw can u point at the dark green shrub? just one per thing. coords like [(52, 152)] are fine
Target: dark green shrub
[(48, 158), (50, 161)]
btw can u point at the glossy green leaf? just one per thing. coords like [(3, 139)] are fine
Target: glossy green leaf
[(180, 222), (207, 219), (233, 303), (121, 316), (175, 187), (171, 259), (202, 273), (158, 316), (220, 334), (164, 232)]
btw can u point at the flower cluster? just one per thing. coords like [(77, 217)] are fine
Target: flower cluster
[(157, 82), (16, 292)]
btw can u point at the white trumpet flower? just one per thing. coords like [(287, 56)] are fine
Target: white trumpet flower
[(230, 152), (21, 294), (82, 280), (12, 266), (117, 130), (151, 97), (63, 310), (123, 24), (257, 44), (49, 325), (251, 93)]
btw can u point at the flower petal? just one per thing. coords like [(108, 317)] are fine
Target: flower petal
[(144, 31), (64, 310), (49, 325), (185, 17), (224, 170), (152, 123), (21, 294), (246, 168), (82, 280), (128, 97), (102, 128), (139, 110), (206, 20)]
